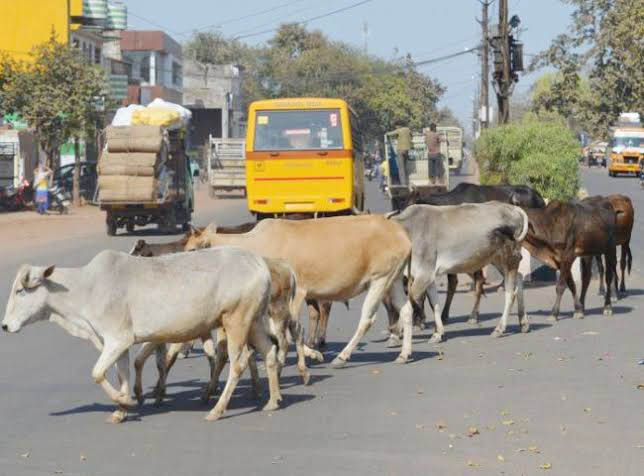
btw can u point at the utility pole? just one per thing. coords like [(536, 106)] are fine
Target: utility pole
[(503, 93), (508, 60), (485, 75)]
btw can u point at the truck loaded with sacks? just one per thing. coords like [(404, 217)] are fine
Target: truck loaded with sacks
[(143, 173)]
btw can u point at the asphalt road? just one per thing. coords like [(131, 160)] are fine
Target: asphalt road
[(560, 400)]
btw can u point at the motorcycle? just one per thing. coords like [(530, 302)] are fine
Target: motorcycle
[(59, 200), (13, 199)]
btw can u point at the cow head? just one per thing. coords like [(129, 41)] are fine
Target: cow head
[(27, 301), (197, 238), (141, 249)]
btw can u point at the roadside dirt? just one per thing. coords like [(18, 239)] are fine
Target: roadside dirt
[(27, 228)]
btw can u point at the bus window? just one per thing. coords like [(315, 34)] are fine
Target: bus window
[(298, 130)]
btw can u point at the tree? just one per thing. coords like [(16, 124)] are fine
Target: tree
[(298, 62), (605, 42), (56, 93), (539, 151)]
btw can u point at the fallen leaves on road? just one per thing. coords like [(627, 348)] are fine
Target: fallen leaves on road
[(472, 431), (563, 429), (376, 371), (83, 457), (419, 426), (508, 422), (534, 449), (500, 458), (472, 464), (440, 426), (640, 447), (545, 466), (525, 355), (640, 386), (25, 455), (504, 412), (590, 333), (588, 410), (277, 459)]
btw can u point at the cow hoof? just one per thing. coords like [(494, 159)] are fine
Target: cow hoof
[(271, 406), (182, 355), (578, 315), (214, 415), (205, 395), (608, 312), (473, 321), (393, 341), (552, 318), (497, 333), (601, 292), (525, 327), (402, 359), (118, 416), (419, 327), (125, 400), (338, 362), (306, 377), (436, 338), (313, 354)]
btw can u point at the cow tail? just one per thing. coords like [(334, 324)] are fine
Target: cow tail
[(629, 257), (410, 280), (524, 230), (291, 298)]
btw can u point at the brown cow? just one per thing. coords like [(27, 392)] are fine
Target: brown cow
[(625, 217), (563, 231), (334, 258)]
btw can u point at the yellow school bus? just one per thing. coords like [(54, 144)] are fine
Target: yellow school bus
[(303, 155)]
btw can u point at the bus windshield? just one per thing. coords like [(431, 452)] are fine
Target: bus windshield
[(627, 142), (298, 130)]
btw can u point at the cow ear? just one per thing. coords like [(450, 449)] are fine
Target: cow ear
[(25, 279), (211, 228), (194, 231), (514, 200), (48, 271)]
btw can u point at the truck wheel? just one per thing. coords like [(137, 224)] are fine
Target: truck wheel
[(611, 174), (185, 227), (111, 227), (129, 227)]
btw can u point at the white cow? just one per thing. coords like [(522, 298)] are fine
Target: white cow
[(118, 300)]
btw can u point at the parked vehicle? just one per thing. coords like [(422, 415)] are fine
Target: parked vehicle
[(596, 154), (452, 146), (13, 199), (625, 151), (59, 199), (226, 165), (64, 178)]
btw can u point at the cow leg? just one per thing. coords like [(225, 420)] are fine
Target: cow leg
[(112, 351), (296, 331), (600, 269), (160, 387), (146, 351), (238, 353), (510, 283), (579, 308), (479, 280), (611, 265), (439, 332), (524, 321), (622, 265), (325, 312), (393, 303), (564, 275), (452, 282), (377, 289), (586, 272), (314, 323), (123, 372), (259, 339), (211, 354)]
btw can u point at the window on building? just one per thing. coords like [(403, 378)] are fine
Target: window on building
[(176, 73), (97, 55), (145, 68), (75, 43)]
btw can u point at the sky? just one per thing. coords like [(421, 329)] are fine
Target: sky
[(424, 28)]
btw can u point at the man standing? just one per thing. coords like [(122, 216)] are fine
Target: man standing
[(433, 143), (403, 146), (42, 176)]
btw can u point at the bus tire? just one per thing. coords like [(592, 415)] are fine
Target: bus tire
[(212, 192), (111, 226)]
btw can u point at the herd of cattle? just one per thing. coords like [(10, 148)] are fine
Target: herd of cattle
[(248, 283)]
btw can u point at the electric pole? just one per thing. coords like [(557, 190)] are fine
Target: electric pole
[(365, 34), (485, 77), (508, 60)]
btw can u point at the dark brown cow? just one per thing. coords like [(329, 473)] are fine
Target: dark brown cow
[(564, 231), (625, 217)]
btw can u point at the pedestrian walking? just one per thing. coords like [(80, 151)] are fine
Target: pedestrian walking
[(42, 176), (434, 156)]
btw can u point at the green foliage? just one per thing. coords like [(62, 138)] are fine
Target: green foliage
[(55, 93), (606, 43), (297, 62), (540, 151)]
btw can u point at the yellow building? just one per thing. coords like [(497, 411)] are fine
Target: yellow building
[(26, 23)]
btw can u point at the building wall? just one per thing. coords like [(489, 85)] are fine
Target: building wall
[(26, 23)]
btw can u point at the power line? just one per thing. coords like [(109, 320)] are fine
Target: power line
[(150, 22), (446, 57), (245, 17), (324, 15), (272, 22)]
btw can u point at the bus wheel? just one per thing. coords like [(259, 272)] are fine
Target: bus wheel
[(111, 226)]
